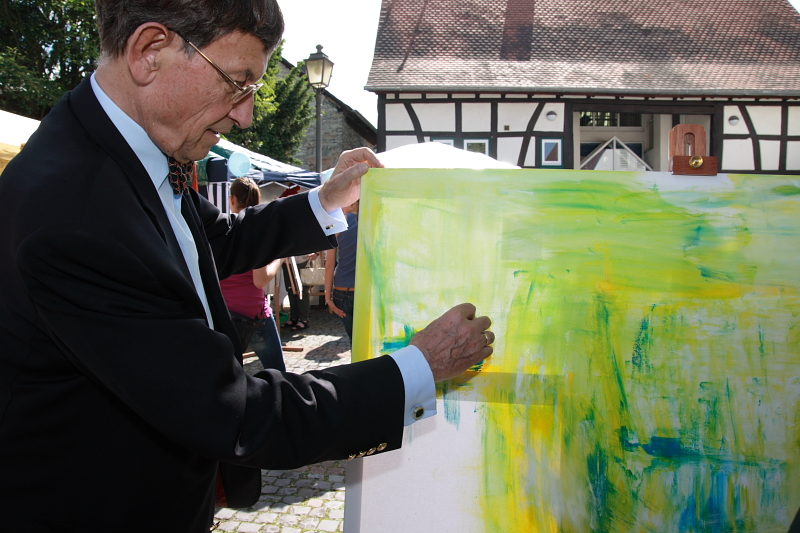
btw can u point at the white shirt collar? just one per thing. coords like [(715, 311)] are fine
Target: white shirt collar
[(152, 158)]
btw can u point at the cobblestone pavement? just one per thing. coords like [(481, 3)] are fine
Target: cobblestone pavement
[(311, 498)]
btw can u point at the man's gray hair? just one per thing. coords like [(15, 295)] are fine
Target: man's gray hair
[(200, 21)]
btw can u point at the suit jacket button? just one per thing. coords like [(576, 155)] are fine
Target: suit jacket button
[(371, 451), (362, 454), (351, 456), (382, 446)]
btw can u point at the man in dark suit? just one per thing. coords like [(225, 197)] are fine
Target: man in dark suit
[(121, 385)]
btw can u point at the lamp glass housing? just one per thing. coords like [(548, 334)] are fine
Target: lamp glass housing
[(319, 69)]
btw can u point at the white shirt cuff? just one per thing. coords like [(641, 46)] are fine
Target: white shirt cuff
[(418, 382), (331, 223)]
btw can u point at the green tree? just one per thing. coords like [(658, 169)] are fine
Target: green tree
[(46, 48), (283, 110)]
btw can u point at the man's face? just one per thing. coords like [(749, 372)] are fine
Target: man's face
[(192, 104)]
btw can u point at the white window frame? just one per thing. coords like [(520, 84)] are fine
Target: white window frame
[(476, 141), (544, 151)]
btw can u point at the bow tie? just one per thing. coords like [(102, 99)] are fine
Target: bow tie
[(180, 175)]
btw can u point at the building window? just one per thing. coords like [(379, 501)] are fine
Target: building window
[(448, 142), (551, 152), (609, 119), (480, 146)]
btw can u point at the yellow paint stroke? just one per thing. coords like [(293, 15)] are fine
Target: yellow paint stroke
[(646, 374)]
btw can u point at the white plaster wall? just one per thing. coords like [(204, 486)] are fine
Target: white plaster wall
[(766, 119), (436, 117), (793, 155), (741, 127), (794, 120), (514, 115), (394, 141), (530, 156), (737, 154), (662, 125), (476, 117), (770, 154), (542, 124), (397, 118), (508, 149)]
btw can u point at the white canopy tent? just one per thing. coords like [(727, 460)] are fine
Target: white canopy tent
[(14, 133)]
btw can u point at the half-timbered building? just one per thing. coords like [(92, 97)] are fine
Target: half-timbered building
[(559, 83)]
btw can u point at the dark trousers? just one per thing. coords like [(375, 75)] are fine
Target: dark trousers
[(344, 300), (261, 336), (298, 307)]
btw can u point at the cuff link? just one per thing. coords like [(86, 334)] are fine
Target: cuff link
[(418, 412)]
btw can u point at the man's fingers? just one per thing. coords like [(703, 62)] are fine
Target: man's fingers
[(482, 323), (466, 310), (358, 155)]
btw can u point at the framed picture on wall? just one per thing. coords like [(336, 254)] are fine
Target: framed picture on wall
[(551, 153)]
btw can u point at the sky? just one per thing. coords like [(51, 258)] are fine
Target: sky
[(346, 30)]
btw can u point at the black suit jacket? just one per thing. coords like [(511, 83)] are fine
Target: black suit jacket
[(117, 402)]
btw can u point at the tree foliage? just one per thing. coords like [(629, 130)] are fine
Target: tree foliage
[(283, 110), (46, 48)]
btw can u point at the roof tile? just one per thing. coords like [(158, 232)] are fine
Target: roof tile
[(731, 47)]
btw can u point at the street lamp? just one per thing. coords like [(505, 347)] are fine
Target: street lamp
[(319, 69)]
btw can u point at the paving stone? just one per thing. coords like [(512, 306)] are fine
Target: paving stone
[(309, 523), (279, 507), (289, 519), (328, 525), (315, 502), (267, 517), (300, 509), (250, 528)]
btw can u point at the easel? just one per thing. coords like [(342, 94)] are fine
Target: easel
[(296, 284)]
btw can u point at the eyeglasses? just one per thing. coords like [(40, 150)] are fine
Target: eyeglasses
[(241, 92)]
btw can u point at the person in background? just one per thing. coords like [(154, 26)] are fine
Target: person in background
[(244, 293), (299, 301), (340, 276)]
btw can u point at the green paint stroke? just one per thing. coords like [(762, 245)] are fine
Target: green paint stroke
[(663, 319)]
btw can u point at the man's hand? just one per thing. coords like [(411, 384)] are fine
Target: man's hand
[(455, 341), (342, 189)]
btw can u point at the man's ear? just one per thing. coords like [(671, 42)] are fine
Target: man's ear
[(148, 50)]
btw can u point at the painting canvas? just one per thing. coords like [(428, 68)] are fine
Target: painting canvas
[(646, 374)]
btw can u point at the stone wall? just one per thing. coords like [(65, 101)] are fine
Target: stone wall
[(337, 136)]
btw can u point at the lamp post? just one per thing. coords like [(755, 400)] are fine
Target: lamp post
[(319, 69)]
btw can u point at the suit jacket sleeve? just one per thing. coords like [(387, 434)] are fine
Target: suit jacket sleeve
[(122, 314)]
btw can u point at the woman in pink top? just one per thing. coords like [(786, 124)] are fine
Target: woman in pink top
[(244, 293)]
